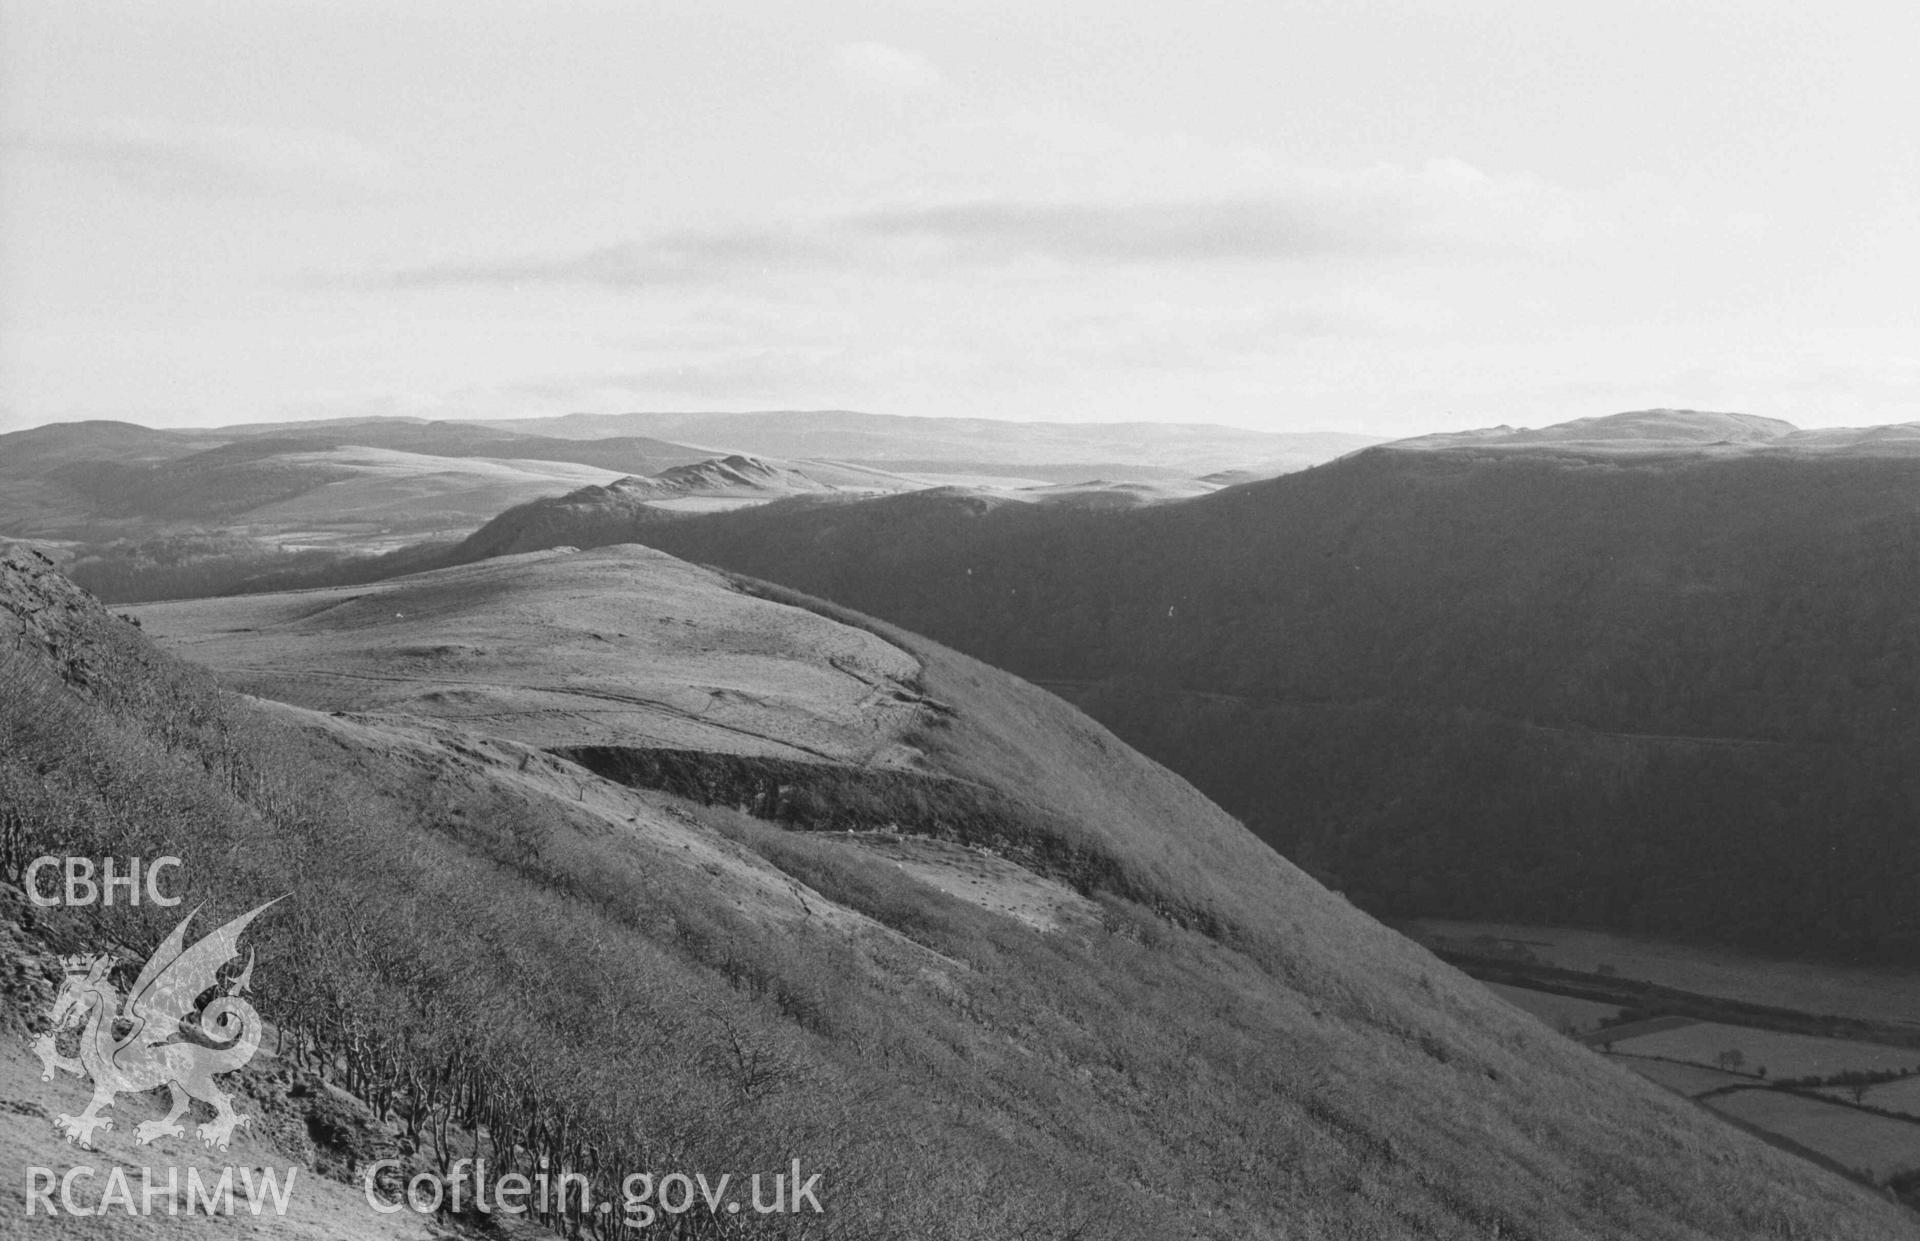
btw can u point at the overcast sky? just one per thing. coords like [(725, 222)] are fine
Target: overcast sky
[(1386, 217)]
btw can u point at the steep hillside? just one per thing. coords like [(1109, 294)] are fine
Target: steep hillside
[(1666, 693), (690, 962)]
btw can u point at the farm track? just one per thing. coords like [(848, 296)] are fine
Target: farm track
[(628, 701)]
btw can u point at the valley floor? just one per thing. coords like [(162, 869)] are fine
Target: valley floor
[(1865, 992), (1846, 1102)]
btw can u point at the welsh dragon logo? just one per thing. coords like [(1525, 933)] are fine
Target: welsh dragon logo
[(161, 1048)]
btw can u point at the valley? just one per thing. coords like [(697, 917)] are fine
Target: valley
[(1616, 689), (1881, 994), (855, 842), (959, 622)]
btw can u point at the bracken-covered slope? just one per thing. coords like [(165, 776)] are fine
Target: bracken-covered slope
[(911, 921)]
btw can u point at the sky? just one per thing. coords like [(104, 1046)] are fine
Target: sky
[(1387, 217)]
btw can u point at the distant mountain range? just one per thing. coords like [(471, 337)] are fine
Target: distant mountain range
[(378, 484), (375, 484), (970, 445), (1679, 430)]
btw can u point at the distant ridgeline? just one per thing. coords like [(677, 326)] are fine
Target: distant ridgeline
[(1672, 692)]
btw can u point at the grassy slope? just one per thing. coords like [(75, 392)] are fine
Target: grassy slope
[(678, 985)]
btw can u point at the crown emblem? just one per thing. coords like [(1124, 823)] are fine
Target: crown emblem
[(81, 964)]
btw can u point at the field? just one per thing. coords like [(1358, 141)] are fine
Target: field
[(1873, 1145), (1687, 1079), (1847, 991), (1559, 1012), (1901, 1096), (1781, 1055)]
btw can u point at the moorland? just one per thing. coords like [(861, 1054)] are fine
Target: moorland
[(494, 948)]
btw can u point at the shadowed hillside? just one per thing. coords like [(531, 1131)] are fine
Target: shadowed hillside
[(1656, 691), (490, 944)]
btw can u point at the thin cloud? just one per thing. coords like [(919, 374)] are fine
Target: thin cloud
[(1447, 209), (1099, 232), (743, 374), (208, 160), (670, 259), (881, 66)]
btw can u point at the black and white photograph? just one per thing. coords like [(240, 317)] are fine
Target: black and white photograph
[(959, 620)]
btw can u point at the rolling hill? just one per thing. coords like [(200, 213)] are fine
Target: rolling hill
[(1677, 430), (369, 484), (601, 515), (606, 860), (972, 445), (137, 514), (622, 512), (375, 483)]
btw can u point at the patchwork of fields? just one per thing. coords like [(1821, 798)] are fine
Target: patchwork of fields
[(1870, 1129), (1901, 1096), (1874, 1146)]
